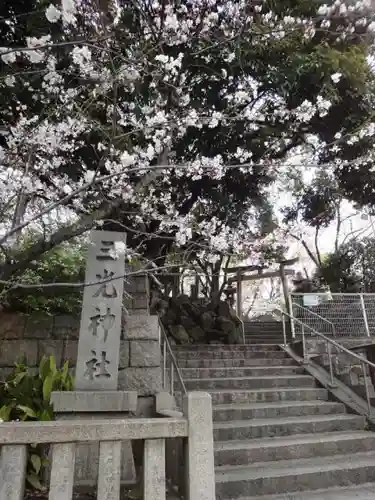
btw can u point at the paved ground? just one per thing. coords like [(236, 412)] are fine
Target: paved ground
[(126, 494), (361, 492)]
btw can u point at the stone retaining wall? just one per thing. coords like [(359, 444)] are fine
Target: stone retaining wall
[(346, 368), (32, 337)]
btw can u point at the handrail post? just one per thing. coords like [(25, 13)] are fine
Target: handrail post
[(329, 352), (239, 295), (199, 459), (284, 329), (167, 351), (243, 331), (315, 315), (304, 344), (363, 307), (172, 379), (330, 342), (164, 364), (369, 407), (292, 325)]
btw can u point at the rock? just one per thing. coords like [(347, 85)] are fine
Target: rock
[(223, 309), (226, 325), (187, 322), (234, 317), (191, 310), (235, 336), (180, 300), (190, 321), (207, 320), (197, 334), (169, 317), (179, 333)]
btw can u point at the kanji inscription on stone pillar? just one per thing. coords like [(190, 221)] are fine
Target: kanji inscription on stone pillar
[(100, 330)]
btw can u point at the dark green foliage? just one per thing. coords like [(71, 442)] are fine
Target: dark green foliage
[(64, 264), (352, 268), (316, 203), (25, 395)]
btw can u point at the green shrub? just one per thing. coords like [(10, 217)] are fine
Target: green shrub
[(63, 264), (26, 395)]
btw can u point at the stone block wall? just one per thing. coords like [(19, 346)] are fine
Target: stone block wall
[(32, 337), (136, 291), (346, 368)]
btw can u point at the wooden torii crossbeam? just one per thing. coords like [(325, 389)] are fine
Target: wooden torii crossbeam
[(253, 277)]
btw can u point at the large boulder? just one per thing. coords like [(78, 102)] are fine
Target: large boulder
[(208, 320), (179, 334), (199, 321), (197, 334)]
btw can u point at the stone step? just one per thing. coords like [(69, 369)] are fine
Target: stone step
[(234, 362), (266, 382), (260, 331), (216, 347), (259, 371), (279, 341), (292, 447), (233, 348), (290, 476), (360, 492), (287, 426), (222, 396), (226, 354), (262, 336), (260, 324), (223, 413), (266, 333), (275, 339)]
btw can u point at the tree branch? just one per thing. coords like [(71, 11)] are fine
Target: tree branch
[(20, 261), (306, 247)]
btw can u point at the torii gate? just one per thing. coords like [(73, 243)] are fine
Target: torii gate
[(282, 273)]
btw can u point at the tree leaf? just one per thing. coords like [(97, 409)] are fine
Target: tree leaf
[(5, 411), (19, 377), (65, 372), (47, 387), (44, 368), (36, 462), (29, 412), (52, 363), (45, 416), (34, 481)]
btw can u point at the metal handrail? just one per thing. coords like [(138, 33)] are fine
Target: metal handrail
[(331, 342), (317, 316), (167, 349), (242, 328)]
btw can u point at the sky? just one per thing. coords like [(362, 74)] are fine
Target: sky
[(358, 221), (355, 221)]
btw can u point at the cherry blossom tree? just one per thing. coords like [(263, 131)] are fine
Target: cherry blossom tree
[(172, 118)]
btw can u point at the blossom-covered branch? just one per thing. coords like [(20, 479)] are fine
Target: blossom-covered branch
[(98, 99)]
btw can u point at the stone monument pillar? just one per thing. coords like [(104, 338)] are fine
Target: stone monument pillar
[(96, 379)]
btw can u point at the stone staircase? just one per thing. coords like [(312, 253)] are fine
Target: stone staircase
[(265, 332), (277, 435)]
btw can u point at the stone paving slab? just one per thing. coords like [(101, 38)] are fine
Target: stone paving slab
[(90, 494), (362, 492)]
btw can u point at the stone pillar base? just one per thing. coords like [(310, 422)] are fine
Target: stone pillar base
[(88, 405)]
